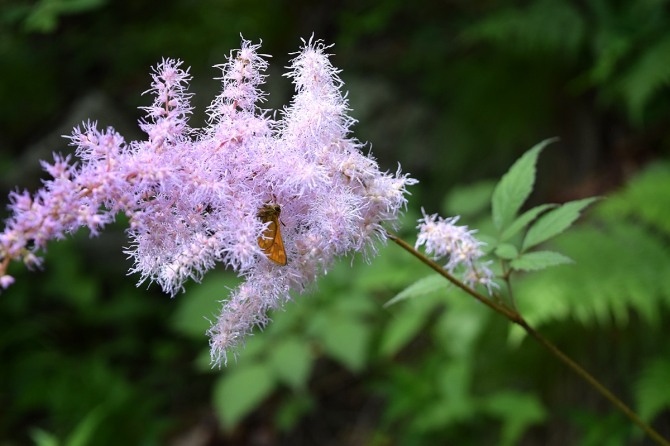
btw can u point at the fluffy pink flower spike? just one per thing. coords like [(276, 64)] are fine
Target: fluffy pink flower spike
[(441, 238), (192, 196)]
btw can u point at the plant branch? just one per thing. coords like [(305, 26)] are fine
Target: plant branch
[(516, 318), (508, 284)]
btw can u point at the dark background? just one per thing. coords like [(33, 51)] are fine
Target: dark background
[(453, 90)]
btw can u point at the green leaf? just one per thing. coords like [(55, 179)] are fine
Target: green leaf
[(240, 391), (525, 218), (347, 340), (292, 361), (202, 303), (646, 76), (203, 362), (600, 429), (623, 270), (353, 304), (554, 222), (292, 410), (458, 328), (404, 326), (533, 261), (652, 390), (422, 287), (490, 243), (539, 26), (43, 438), (451, 399), (507, 251), (46, 13), (390, 270), (515, 187), (644, 199), (454, 385), (83, 433), (518, 412)]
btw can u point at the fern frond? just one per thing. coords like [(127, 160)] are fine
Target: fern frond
[(646, 76), (617, 268), (652, 390), (646, 199), (539, 27)]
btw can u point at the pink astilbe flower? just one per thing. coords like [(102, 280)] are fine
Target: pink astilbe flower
[(441, 237), (192, 196)]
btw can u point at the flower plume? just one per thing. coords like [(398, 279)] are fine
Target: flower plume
[(192, 195), (442, 237)]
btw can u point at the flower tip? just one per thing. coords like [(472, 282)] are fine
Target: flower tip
[(6, 281)]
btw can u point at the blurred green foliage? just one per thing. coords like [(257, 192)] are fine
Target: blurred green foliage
[(453, 90)]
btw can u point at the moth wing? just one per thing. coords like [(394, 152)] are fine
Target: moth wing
[(269, 236), (276, 251)]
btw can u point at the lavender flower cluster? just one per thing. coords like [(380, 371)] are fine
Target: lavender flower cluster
[(193, 196), (442, 237)]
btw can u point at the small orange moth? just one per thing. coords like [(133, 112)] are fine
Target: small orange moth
[(270, 241)]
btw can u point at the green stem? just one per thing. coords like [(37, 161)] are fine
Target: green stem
[(508, 284), (516, 318)]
